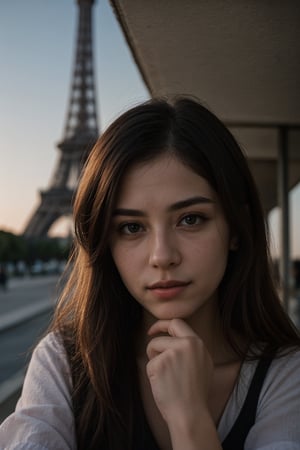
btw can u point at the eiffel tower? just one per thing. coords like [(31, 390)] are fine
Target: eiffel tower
[(80, 134)]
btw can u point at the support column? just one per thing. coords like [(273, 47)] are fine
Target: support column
[(283, 202)]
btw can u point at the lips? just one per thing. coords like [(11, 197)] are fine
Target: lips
[(168, 284), (168, 289)]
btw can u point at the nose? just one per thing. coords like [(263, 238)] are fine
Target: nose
[(164, 250)]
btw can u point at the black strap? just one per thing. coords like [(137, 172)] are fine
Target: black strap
[(246, 419)]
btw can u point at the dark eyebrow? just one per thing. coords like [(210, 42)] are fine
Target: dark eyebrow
[(178, 205), (190, 202), (128, 212)]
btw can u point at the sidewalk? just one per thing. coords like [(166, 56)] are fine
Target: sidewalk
[(17, 282), (25, 298)]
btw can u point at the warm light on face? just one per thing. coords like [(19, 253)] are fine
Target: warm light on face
[(169, 239)]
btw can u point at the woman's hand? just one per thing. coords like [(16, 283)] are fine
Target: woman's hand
[(180, 372)]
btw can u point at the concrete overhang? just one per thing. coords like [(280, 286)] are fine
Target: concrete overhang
[(240, 57)]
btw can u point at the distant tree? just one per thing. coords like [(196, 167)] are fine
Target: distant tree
[(13, 247), (47, 248)]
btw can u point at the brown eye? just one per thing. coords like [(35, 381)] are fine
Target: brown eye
[(130, 228), (192, 219)]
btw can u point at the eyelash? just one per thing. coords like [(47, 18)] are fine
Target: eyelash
[(124, 228), (200, 218)]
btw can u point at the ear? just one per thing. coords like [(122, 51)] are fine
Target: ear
[(234, 243)]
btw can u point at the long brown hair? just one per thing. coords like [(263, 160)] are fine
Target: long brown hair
[(97, 316)]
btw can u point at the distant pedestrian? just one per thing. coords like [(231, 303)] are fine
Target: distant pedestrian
[(3, 277), (296, 275)]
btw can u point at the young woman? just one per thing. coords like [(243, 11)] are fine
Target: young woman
[(169, 333)]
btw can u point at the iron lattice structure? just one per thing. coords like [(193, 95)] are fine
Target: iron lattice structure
[(80, 134)]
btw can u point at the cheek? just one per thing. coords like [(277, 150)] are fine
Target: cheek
[(212, 254), (123, 260), (127, 270), (117, 257), (115, 254)]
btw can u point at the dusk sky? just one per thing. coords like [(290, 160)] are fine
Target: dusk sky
[(37, 44)]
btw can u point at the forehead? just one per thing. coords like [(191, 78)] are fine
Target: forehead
[(165, 178)]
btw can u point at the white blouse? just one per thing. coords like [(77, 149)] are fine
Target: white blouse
[(43, 419)]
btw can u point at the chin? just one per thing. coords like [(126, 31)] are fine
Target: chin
[(173, 313)]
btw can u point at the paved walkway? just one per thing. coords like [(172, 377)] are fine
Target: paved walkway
[(20, 282), (26, 297)]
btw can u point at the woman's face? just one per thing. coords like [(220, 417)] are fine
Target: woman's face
[(169, 239)]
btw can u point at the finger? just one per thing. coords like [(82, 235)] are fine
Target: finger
[(158, 345), (174, 327)]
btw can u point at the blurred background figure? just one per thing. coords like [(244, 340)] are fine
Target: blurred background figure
[(296, 286), (3, 278)]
